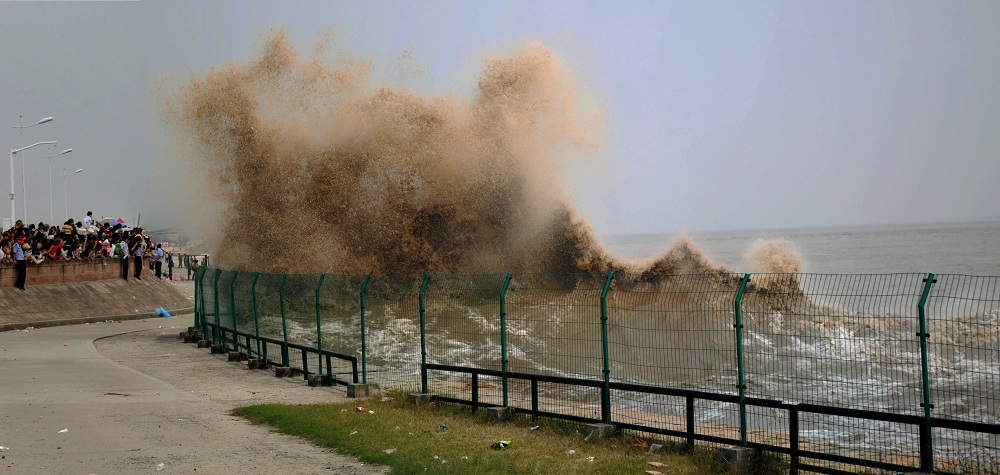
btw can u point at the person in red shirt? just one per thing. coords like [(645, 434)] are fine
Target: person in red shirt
[(57, 246)]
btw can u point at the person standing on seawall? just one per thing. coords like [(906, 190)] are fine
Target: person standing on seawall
[(123, 255), (138, 257), (88, 221), (158, 260), (19, 265)]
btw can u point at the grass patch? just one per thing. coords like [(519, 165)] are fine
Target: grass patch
[(445, 438)]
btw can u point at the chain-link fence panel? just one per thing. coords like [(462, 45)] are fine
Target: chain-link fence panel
[(842, 341), (554, 329), (674, 331), (340, 309), (963, 314), (462, 328), (866, 362), (300, 319), (392, 331), (269, 313)]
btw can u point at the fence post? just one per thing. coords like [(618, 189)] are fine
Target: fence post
[(926, 437), (319, 328), (606, 389), (232, 309), (793, 438), (256, 322), (423, 338), (198, 297), (216, 335), (199, 277), (364, 343), (503, 337), (737, 304), (284, 325)]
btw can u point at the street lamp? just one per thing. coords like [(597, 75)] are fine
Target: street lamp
[(21, 127), (64, 152), (65, 198), (11, 155)]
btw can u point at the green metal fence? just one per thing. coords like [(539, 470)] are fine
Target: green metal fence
[(895, 371), (675, 332)]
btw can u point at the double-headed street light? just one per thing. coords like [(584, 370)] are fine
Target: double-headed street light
[(64, 152), (65, 197), (20, 143), (11, 155)]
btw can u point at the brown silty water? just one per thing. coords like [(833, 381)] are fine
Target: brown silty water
[(314, 169), (318, 170)]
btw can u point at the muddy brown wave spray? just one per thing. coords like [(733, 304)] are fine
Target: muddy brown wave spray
[(321, 172)]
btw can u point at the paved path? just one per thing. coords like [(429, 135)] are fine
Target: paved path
[(121, 398)]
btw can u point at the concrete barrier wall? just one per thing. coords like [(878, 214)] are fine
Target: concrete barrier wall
[(88, 301), (63, 272)]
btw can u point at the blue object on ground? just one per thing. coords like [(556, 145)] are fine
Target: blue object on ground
[(163, 313)]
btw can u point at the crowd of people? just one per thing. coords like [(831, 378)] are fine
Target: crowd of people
[(85, 240)]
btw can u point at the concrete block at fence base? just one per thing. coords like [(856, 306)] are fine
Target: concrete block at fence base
[(235, 356), (317, 380), (734, 454), (184, 336), (365, 390), (282, 371), (189, 338), (256, 363), (598, 431), (420, 399), (218, 349), (501, 413), (204, 343)]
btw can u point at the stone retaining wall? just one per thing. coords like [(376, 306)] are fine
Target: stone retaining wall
[(88, 301), (63, 272)]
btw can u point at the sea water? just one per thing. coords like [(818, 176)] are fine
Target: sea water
[(859, 349), (849, 352), (953, 248)]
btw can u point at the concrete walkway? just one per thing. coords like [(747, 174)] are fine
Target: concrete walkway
[(124, 397)]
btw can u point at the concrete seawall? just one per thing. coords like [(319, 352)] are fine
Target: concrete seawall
[(61, 272), (92, 301)]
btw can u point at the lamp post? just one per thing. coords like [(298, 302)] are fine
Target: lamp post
[(11, 155), (65, 198), (20, 132), (64, 152)]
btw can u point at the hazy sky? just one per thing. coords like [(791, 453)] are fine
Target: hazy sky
[(720, 115)]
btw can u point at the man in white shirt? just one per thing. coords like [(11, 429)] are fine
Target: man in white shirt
[(123, 256), (158, 259)]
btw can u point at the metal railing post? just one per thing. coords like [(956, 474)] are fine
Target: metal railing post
[(364, 343), (503, 336), (926, 434), (737, 304), (256, 320), (216, 335), (232, 309), (199, 276), (319, 328), (199, 297), (284, 324), (423, 337), (606, 389), (793, 438)]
